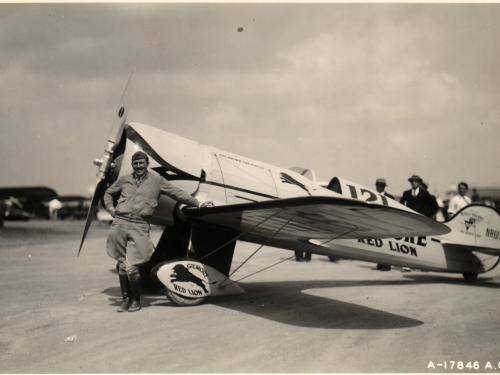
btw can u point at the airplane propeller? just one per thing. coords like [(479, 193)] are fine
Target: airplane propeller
[(104, 164)]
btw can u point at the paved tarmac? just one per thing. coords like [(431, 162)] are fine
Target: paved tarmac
[(296, 317)]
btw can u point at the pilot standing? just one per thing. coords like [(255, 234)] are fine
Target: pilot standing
[(129, 242), (380, 185), (460, 200), (418, 198)]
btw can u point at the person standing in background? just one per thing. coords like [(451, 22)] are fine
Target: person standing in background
[(418, 198), (475, 196), (380, 185), (460, 200)]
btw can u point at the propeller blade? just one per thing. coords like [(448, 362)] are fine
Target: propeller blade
[(121, 116), (98, 192), (115, 134)]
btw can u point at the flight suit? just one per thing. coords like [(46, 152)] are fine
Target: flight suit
[(129, 242)]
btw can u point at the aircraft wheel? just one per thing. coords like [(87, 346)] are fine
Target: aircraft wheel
[(470, 277), (183, 301)]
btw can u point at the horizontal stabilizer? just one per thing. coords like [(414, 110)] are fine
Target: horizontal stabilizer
[(305, 218), (475, 226)]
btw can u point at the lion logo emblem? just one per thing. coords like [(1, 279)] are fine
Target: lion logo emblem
[(183, 275)]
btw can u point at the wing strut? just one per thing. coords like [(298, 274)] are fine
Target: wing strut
[(260, 247), (222, 285), (238, 236)]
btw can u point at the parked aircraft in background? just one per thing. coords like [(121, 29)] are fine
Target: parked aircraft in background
[(25, 202), (73, 207)]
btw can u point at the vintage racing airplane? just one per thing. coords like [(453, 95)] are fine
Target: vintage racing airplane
[(267, 205)]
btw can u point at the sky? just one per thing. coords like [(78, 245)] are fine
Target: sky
[(359, 91)]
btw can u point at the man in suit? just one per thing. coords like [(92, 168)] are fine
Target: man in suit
[(380, 185), (418, 198), (432, 206)]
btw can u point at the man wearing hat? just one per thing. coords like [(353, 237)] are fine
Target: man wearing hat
[(418, 198), (380, 185), (128, 241)]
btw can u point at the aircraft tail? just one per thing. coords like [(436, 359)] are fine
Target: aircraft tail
[(476, 226)]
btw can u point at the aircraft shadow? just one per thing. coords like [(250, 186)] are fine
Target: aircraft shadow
[(285, 302), (482, 282)]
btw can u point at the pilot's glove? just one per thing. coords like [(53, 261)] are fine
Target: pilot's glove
[(112, 211)]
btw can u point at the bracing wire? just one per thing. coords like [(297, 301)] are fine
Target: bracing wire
[(256, 272), (260, 247), (238, 236), (222, 285)]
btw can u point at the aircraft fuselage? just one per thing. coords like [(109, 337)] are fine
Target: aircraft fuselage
[(226, 178)]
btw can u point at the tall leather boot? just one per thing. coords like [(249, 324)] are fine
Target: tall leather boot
[(125, 289), (135, 289)]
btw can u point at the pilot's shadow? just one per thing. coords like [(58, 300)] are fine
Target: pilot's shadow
[(148, 298), (285, 302)]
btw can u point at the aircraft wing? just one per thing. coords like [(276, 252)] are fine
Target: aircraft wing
[(304, 218)]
